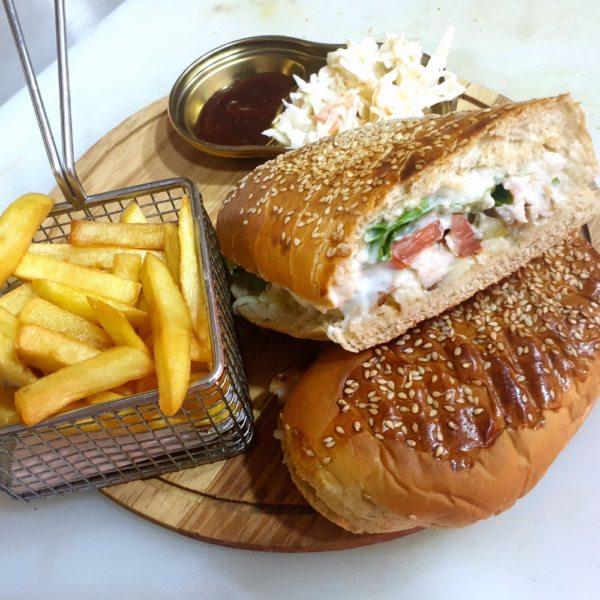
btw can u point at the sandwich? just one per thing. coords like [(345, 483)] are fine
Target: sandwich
[(361, 235), (461, 416)]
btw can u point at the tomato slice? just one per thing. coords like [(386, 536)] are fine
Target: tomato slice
[(463, 236), (407, 249)]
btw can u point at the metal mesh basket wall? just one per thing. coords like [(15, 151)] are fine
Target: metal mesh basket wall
[(130, 438)]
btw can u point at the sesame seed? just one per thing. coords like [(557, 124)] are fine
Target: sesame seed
[(439, 451), (452, 425), (340, 430), (478, 411), (414, 408), (326, 460), (449, 408), (411, 443)]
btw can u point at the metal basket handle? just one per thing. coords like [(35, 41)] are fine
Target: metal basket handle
[(66, 176)]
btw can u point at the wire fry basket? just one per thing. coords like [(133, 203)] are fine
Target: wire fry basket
[(129, 438)]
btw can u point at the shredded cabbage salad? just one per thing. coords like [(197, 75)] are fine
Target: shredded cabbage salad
[(366, 83)]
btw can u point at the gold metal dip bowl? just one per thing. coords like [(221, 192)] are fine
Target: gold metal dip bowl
[(219, 68)]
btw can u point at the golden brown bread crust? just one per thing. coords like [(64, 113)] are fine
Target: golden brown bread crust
[(296, 220), (486, 397)]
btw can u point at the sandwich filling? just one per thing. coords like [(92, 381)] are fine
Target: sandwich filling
[(428, 242), (440, 237)]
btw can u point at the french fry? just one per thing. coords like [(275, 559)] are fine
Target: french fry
[(86, 280), (172, 332), (127, 266), (76, 302), (86, 256), (149, 341), (18, 224), (43, 313), (141, 303), (8, 323), (146, 384), (151, 383), (117, 326), (199, 352), (146, 236), (11, 367), (102, 397), (144, 330), (16, 299), (125, 389), (191, 286), (50, 350), (196, 375), (8, 412), (133, 214), (173, 251), (201, 367), (48, 395)]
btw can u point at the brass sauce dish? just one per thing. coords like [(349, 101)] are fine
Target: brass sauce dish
[(219, 68)]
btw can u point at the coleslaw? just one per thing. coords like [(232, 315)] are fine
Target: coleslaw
[(366, 83)]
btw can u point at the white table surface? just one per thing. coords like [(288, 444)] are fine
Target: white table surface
[(84, 546)]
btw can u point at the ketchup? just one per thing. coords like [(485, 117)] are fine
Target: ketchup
[(238, 114)]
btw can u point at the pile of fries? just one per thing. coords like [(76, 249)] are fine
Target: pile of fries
[(118, 311)]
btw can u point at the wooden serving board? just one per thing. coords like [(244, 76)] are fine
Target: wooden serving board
[(249, 501)]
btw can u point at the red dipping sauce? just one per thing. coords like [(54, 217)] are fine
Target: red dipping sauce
[(238, 114)]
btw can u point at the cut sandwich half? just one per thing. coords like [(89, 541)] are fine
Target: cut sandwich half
[(360, 236)]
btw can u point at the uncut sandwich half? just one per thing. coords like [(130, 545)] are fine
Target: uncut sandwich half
[(360, 236)]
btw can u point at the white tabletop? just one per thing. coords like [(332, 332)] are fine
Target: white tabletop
[(84, 546)]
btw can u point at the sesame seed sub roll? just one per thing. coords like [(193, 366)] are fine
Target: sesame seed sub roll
[(363, 234), (460, 417)]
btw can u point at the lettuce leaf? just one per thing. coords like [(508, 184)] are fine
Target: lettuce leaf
[(381, 235), (236, 271), (502, 196)]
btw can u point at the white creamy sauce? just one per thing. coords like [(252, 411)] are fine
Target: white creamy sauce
[(380, 280), (467, 188)]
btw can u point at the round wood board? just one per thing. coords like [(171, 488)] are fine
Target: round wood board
[(249, 501)]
